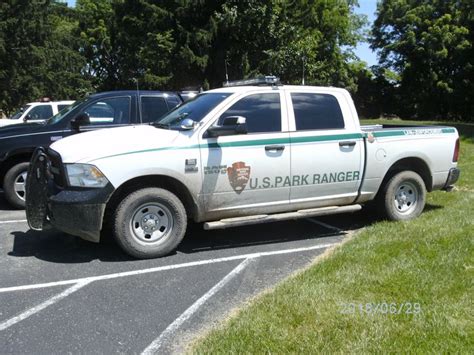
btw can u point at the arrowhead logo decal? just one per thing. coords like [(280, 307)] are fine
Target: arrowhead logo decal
[(239, 175)]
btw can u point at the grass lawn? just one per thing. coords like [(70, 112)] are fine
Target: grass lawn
[(428, 261)]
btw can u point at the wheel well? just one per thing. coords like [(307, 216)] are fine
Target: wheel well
[(416, 165), (165, 182), (11, 161)]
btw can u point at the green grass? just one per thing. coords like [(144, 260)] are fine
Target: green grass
[(429, 261)]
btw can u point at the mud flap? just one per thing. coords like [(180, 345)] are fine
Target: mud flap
[(37, 190)]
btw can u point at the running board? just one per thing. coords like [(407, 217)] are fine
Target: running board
[(266, 218)]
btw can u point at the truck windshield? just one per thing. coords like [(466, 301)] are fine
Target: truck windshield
[(18, 113), (194, 109)]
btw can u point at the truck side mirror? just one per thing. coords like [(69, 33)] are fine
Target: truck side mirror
[(187, 124), (27, 118), (231, 125), (82, 119)]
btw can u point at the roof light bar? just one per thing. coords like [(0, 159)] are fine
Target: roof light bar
[(263, 80)]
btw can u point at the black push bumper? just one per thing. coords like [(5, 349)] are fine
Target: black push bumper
[(453, 176), (76, 211)]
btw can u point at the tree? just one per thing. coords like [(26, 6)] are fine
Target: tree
[(37, 55), (23, 31), (96, 31), (430, 44)]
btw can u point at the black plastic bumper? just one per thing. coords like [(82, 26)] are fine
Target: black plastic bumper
[(453, 176), (79, 212), (76, 211)]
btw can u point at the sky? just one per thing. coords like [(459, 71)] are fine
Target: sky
[(366, 7)]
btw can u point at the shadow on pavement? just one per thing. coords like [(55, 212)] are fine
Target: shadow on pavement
[(57, 247)]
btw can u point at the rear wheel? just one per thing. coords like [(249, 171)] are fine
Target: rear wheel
[(14, 185), (149, 223), (403, 197)]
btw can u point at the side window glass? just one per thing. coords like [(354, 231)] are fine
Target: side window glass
[(42, 112), (262, 112), (61, 107), (316, 111), (110, 111), (173, 101), (152, 108)]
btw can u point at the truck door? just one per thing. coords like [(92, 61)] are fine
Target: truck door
[(326, 150), (246, 171)]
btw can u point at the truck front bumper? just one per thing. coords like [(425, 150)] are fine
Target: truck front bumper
[(79, 213), (76, 211), (453, 176)]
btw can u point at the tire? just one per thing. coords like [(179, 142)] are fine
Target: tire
[(14, 185), (403, 197), (149, 223)]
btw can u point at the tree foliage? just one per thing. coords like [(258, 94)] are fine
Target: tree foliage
[(37, 53), (430, 43), (425, 47)]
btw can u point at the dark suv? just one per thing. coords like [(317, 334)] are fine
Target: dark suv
[(102, 110)]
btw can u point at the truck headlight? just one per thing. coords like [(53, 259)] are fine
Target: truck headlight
[(85, 175)]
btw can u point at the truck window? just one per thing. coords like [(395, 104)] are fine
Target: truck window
[(262, 111), (173, 101), (153, 107), (41, 112), (62, 106), (316, 111), (115, 110)]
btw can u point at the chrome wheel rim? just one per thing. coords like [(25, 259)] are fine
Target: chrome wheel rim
[(20, 186), (151, 223), (406, 197)]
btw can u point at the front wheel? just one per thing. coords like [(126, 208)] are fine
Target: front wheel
[(403, 197), (149, 223), (14, 185)]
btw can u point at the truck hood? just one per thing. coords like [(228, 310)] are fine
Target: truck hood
[(86, 147)]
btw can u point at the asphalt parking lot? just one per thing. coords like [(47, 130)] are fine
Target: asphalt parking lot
[(61, 294)]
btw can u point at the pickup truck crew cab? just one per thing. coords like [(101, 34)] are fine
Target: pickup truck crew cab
[(237, 155), (102, 110)]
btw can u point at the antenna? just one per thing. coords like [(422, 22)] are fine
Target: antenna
[(304, 58), (139, 102), (226, 75)]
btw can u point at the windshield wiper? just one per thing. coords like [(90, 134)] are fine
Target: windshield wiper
[(160, 125)]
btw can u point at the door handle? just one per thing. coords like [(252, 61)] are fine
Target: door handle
[(347, 143), (274, 147)]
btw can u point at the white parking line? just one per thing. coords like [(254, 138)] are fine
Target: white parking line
[(14, 221), (8, 323), (162, 268), (158, 342)]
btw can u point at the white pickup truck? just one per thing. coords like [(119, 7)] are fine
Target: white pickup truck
[(237, 155), (37, 112)]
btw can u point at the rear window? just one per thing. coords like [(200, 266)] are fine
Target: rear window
[(173, 101), (316, 111), (153, 107)]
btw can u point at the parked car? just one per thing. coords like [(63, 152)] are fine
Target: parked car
[(235, 156), (36, 112), (102, 110)]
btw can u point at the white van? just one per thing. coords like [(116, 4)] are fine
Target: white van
[(35, 112)]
